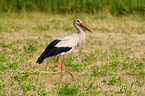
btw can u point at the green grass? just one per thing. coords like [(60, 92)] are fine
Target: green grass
[(111, 62), (116, 7)]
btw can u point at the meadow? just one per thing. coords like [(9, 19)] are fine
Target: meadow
[(111, 62)]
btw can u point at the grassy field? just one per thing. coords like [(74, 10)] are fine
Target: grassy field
[(111, 62)]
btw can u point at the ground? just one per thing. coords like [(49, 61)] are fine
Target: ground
[(111, 61)]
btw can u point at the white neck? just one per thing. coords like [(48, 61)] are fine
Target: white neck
[(81, 34), (80, 30)]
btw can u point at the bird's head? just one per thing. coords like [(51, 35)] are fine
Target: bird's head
[(78, 22)]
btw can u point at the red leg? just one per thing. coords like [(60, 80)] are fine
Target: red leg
[(72, 75), (62, 69)]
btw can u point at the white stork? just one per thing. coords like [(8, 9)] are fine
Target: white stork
[(64, 45)]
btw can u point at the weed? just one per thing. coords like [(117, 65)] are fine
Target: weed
[(67, 89)]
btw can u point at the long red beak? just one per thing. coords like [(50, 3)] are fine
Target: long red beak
[(85, 27)]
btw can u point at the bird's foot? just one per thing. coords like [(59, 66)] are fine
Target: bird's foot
[(72, 75)]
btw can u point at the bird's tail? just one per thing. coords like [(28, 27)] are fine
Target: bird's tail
[(41, 58)]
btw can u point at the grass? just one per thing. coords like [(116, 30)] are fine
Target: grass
[(115, 7), (112, 61)]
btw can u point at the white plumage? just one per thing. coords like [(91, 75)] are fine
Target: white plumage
[(71, 40)]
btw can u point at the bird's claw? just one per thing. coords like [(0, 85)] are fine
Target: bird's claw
[(72, 75)]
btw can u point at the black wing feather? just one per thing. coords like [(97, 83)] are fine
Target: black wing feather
[(51, 50)]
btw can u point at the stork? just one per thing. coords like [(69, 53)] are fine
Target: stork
[(64, 46)]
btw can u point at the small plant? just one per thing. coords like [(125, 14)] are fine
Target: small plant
[(68, 89), (114, 81), (29, 48)]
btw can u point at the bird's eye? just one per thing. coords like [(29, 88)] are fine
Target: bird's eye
[(78, 21)]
